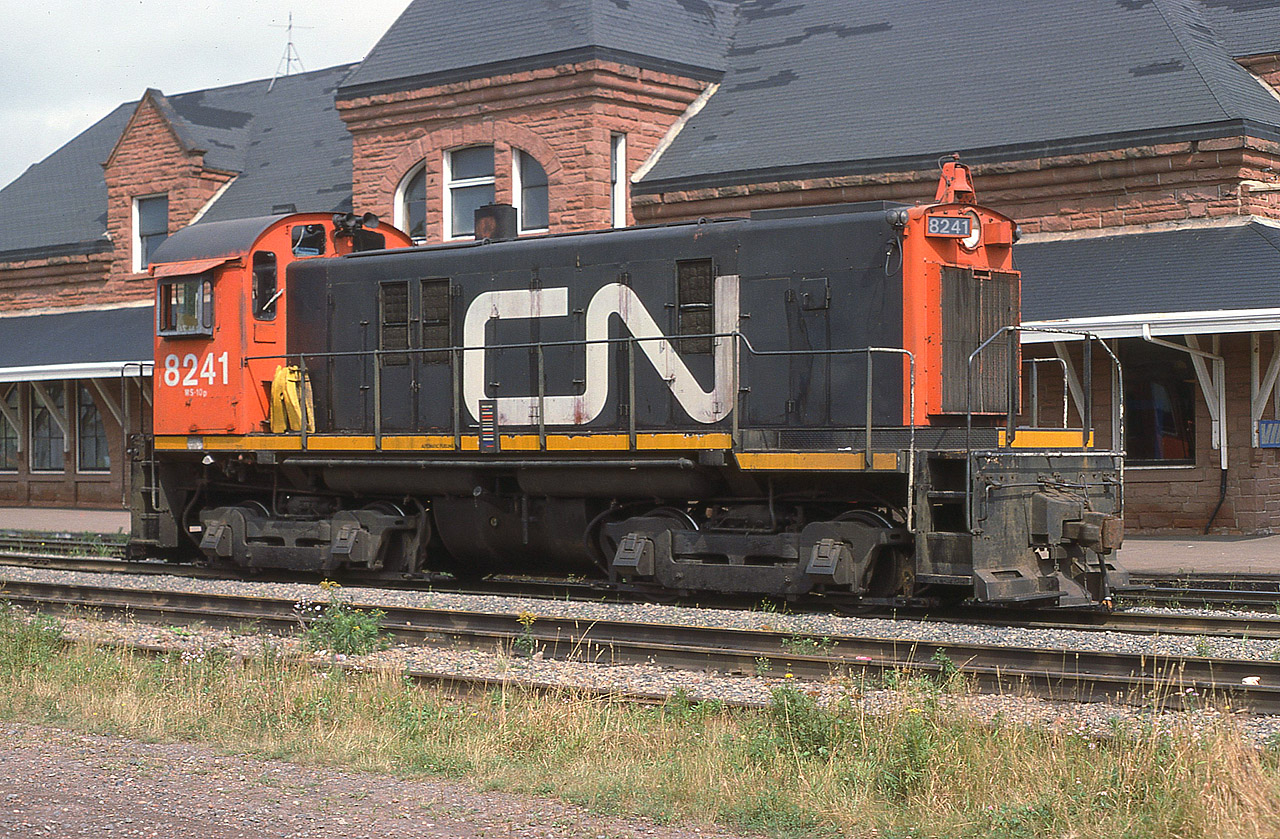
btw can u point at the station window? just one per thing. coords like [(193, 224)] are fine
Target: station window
[(618, 180), (150, 228), (265, 290), (468, 176), (92, 451), (10, 432), (695, 289), (1159, 405), (411, 209), (529, 193), (394, 320), (47, 440), (435, 321), (307, 240), (184, 307)]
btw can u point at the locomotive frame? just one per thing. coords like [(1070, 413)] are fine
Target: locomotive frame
[(812, 401)]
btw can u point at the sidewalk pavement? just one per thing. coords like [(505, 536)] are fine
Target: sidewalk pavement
[(1202, 554), (52, 520)]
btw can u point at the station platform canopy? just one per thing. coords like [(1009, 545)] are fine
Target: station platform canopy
[(1201, 277), (85, 344)]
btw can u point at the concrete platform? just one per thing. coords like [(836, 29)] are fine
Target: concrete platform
[(1202, 554), (54, 520)]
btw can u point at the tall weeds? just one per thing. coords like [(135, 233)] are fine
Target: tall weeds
[(794, 769)]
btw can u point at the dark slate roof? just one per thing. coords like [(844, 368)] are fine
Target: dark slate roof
[(286, 146), (825, 87), (59, 205), (1140, 273), (293, 149), (78, 337), (1247, 27), (438, 41)]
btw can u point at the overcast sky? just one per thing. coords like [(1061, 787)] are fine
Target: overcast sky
[(66, 63)]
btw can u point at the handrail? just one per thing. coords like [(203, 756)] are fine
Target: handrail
[(1086, 412), (1034, 386), (126, 480), (539, 347)]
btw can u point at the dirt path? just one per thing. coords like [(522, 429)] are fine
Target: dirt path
[(65, 784)]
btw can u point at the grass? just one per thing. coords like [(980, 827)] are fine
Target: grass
[(339, 628), (793, 769)]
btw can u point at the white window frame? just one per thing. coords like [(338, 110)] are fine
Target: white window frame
[(400, 212), (517, 190), (450, 185), (138, 267), (618, 180)]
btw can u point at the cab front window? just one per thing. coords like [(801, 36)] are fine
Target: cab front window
[(184, 307)]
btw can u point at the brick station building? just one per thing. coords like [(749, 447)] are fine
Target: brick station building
[(1136, 141)]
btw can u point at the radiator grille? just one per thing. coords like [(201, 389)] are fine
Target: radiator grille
[(973, 309)]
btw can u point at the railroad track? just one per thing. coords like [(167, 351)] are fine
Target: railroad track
[(1237, 591), (1261, 626), (1057, 674), (20, 543), (1208, 598), (105, 553)]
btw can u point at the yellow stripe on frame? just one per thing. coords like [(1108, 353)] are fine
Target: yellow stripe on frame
[(435, 443), (1045, 438), (816, 461)]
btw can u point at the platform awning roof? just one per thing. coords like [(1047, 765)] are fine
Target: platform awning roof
[(1203, 277), (77, 345), (1218, 321)]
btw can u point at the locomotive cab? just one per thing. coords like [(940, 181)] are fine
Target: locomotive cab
[(222, 314)]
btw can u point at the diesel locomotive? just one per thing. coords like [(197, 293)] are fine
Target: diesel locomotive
[(811, 401)]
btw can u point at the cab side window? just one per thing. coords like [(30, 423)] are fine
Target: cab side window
[(184, 307), (307, 240), (265, 292)]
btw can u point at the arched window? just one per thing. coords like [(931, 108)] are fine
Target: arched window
[(529, 193), (468, 185), (411, 206)]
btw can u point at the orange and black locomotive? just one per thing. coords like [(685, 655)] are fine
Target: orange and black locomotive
[(820, 400)]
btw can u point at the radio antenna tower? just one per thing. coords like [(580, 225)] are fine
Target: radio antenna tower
[(290, 57)]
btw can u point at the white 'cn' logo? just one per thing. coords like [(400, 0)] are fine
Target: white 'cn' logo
[(612, 299)]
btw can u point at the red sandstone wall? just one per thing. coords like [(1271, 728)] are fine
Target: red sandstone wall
[(149, 160), (563, 116), (58, 282)]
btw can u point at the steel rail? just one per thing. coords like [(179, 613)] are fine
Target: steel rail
[(1063, 674), (1260, 627), (457, 683), (1214, 597), (1215, 580)]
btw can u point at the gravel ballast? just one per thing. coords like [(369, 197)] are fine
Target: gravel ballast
[(808, 625)]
